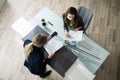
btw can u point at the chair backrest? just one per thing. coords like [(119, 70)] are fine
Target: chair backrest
[(86, 15)]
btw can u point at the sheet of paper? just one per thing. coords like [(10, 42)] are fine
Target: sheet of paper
[(22, 26), (53, 45), (75, 36)]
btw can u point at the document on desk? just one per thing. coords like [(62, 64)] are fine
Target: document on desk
[(22, 26), (75, 35), (53, 45)]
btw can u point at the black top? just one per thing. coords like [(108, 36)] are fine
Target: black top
[(79, 23), (36, 62)]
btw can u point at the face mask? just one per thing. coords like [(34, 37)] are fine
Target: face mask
[(69, 18)]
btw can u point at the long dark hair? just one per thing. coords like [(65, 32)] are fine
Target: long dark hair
[(73, 11)]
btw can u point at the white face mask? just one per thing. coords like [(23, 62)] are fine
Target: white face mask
[(69, 18)]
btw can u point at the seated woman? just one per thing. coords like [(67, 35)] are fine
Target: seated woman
[(72, 21), (34, 52)]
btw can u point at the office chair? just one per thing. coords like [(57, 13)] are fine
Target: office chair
[(86, 15)]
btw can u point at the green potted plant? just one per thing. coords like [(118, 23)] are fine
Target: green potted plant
[(43, 22)]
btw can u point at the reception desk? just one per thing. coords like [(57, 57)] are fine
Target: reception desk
[(87, 56)]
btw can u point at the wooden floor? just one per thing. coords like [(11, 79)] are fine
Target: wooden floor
[(104, 29)]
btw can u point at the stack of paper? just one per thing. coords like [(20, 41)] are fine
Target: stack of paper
[(75, 36), (53, 45), (22, 26)]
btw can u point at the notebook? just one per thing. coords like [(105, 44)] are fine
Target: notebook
[(53, 45)]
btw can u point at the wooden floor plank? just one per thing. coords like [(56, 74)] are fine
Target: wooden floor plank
[(104, 29)]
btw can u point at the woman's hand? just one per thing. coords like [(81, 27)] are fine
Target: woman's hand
[(52, 35), (50, 55), (77, 29), (67, 33), (48, 38)]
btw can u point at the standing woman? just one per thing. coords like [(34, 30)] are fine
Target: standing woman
[(72, 21), (34, 53)]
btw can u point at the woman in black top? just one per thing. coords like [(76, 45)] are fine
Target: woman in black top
[(72, 21), (34, 53)]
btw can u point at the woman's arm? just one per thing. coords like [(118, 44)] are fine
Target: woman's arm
[(26, 42), (52, 35), (67, 33), (79, 28), (65, 24), (47, 60), (80, 24)]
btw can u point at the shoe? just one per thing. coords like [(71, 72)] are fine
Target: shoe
[(46, 74)]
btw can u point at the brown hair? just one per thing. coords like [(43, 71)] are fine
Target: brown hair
[(38, 40), (73, 11)]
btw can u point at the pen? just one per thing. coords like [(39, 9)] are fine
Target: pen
[(50, 23)]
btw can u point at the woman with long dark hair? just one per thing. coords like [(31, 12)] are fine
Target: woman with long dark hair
[(72, 21)]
